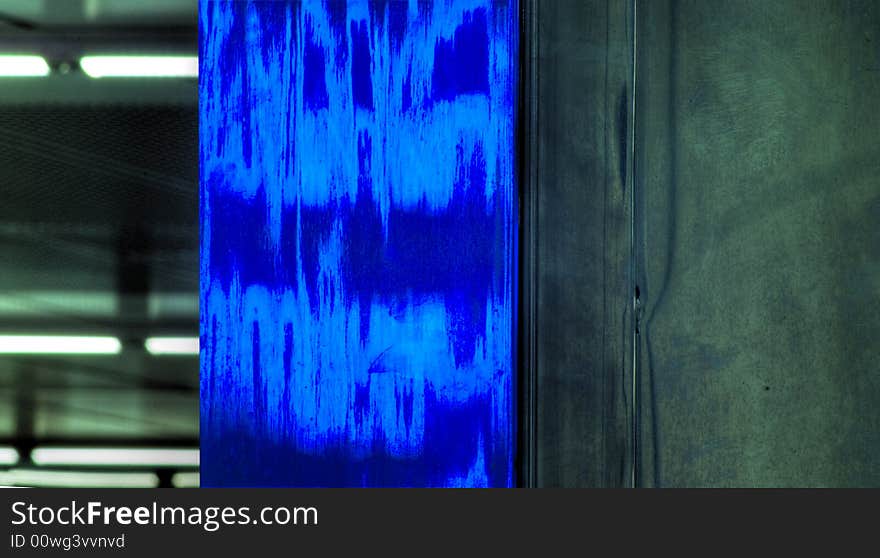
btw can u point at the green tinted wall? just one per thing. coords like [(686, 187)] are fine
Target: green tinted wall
[(759, 231), (756, 243)]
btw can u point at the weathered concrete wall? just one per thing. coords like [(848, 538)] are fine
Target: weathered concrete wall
[(759, 179), (582, 243)]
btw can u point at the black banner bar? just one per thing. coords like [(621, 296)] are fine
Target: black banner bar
[(382, 522)]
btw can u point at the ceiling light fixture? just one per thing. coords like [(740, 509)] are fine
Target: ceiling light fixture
[(140, 66), (162, 346), (116, 457), (185, 480), (8, 456), (23, 65), (59, 345), (76, 479)]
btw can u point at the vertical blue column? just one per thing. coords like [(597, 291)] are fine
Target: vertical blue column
[(358, 242)]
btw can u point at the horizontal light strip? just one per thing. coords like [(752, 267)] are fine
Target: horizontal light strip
[(185, 480), (172, 345), (140, 66), (167, 305), (77, 479), (38, 304), (58, 345), (23, 65), (116, 457), (8, 456)]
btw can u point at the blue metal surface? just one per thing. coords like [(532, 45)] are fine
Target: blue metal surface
[(358, 260)]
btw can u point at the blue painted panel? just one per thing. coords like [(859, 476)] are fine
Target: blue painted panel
[(358, 243)]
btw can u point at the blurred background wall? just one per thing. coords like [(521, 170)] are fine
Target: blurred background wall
[(98, 238)]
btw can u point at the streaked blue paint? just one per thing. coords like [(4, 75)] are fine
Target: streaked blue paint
[(358, 264)]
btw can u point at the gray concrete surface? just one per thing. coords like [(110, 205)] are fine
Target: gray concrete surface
[(759, 182), (582, 247)]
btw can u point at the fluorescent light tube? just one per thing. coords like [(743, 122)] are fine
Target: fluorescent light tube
[(172, 345), (23, 65), (116, 457), (77, 479), (58, 345), (140, 66), (8, 456), (185, 480)]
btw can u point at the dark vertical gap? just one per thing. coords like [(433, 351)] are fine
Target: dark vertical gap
[(635, 419), (25, 410), (526, 146), (133, 269), (166, 477), (134, 249)]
